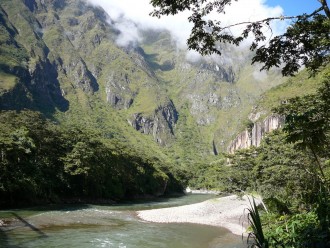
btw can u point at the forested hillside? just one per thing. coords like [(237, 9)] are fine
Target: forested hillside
[(42, 161)]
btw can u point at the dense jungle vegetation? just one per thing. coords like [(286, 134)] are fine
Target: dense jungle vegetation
[(42, 162)]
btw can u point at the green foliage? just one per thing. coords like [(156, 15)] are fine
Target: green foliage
[(256, 233), (44, 162), (211, 176), (289, 184), (308, 120), (7, 82), (306, 41), (26, 157), (12, 53), (283, 175), (241, 174), (298, 230)]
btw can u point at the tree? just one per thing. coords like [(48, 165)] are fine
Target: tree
[(307, 121), (305, 43)]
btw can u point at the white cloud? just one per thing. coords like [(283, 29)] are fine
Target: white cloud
[(138, 11), (193, 56), (129, 34)]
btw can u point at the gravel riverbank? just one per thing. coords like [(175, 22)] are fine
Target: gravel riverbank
[(229, 212)]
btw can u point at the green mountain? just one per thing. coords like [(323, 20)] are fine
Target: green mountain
[(61, 58)]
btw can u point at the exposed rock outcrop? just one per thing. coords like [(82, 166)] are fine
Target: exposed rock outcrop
[(81, 76), (253, 136), (259, 129), (222, 74), (118, 93), (203, 106), (161, 124)]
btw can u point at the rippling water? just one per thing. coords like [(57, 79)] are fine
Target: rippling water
[(109, 226)]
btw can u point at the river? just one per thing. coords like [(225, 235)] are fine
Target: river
[(82, 226)]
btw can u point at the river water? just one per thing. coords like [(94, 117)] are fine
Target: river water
[(84, 226)]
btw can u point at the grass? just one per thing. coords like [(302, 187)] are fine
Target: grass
[(145, 102), (7, 82)]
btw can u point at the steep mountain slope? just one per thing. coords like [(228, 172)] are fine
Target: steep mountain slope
[(213, 95), (61, 57)]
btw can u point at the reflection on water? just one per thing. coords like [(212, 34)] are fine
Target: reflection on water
[(109, 226)]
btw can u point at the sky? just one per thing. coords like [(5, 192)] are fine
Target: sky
[(295, 7), (130, 16)]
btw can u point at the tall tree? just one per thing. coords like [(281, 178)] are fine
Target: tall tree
[(308, 121), (305, 43)]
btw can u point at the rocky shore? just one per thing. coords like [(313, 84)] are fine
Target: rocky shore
[(229, 212)]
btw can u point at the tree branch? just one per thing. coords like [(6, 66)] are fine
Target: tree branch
[(325, 7), (277, 18)]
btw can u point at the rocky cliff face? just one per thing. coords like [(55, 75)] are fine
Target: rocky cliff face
[(203, 106), (259, 129), (219, 72), (119, 95), (161, 124), (253, 136)]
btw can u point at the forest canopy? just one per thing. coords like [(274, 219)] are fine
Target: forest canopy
[(48, 163)]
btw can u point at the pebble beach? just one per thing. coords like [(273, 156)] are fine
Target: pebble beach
[(229, 212)]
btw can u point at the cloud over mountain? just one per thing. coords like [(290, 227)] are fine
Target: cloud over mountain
[(130, 16)]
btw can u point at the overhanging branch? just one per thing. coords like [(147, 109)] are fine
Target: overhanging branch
[(276, 18)]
